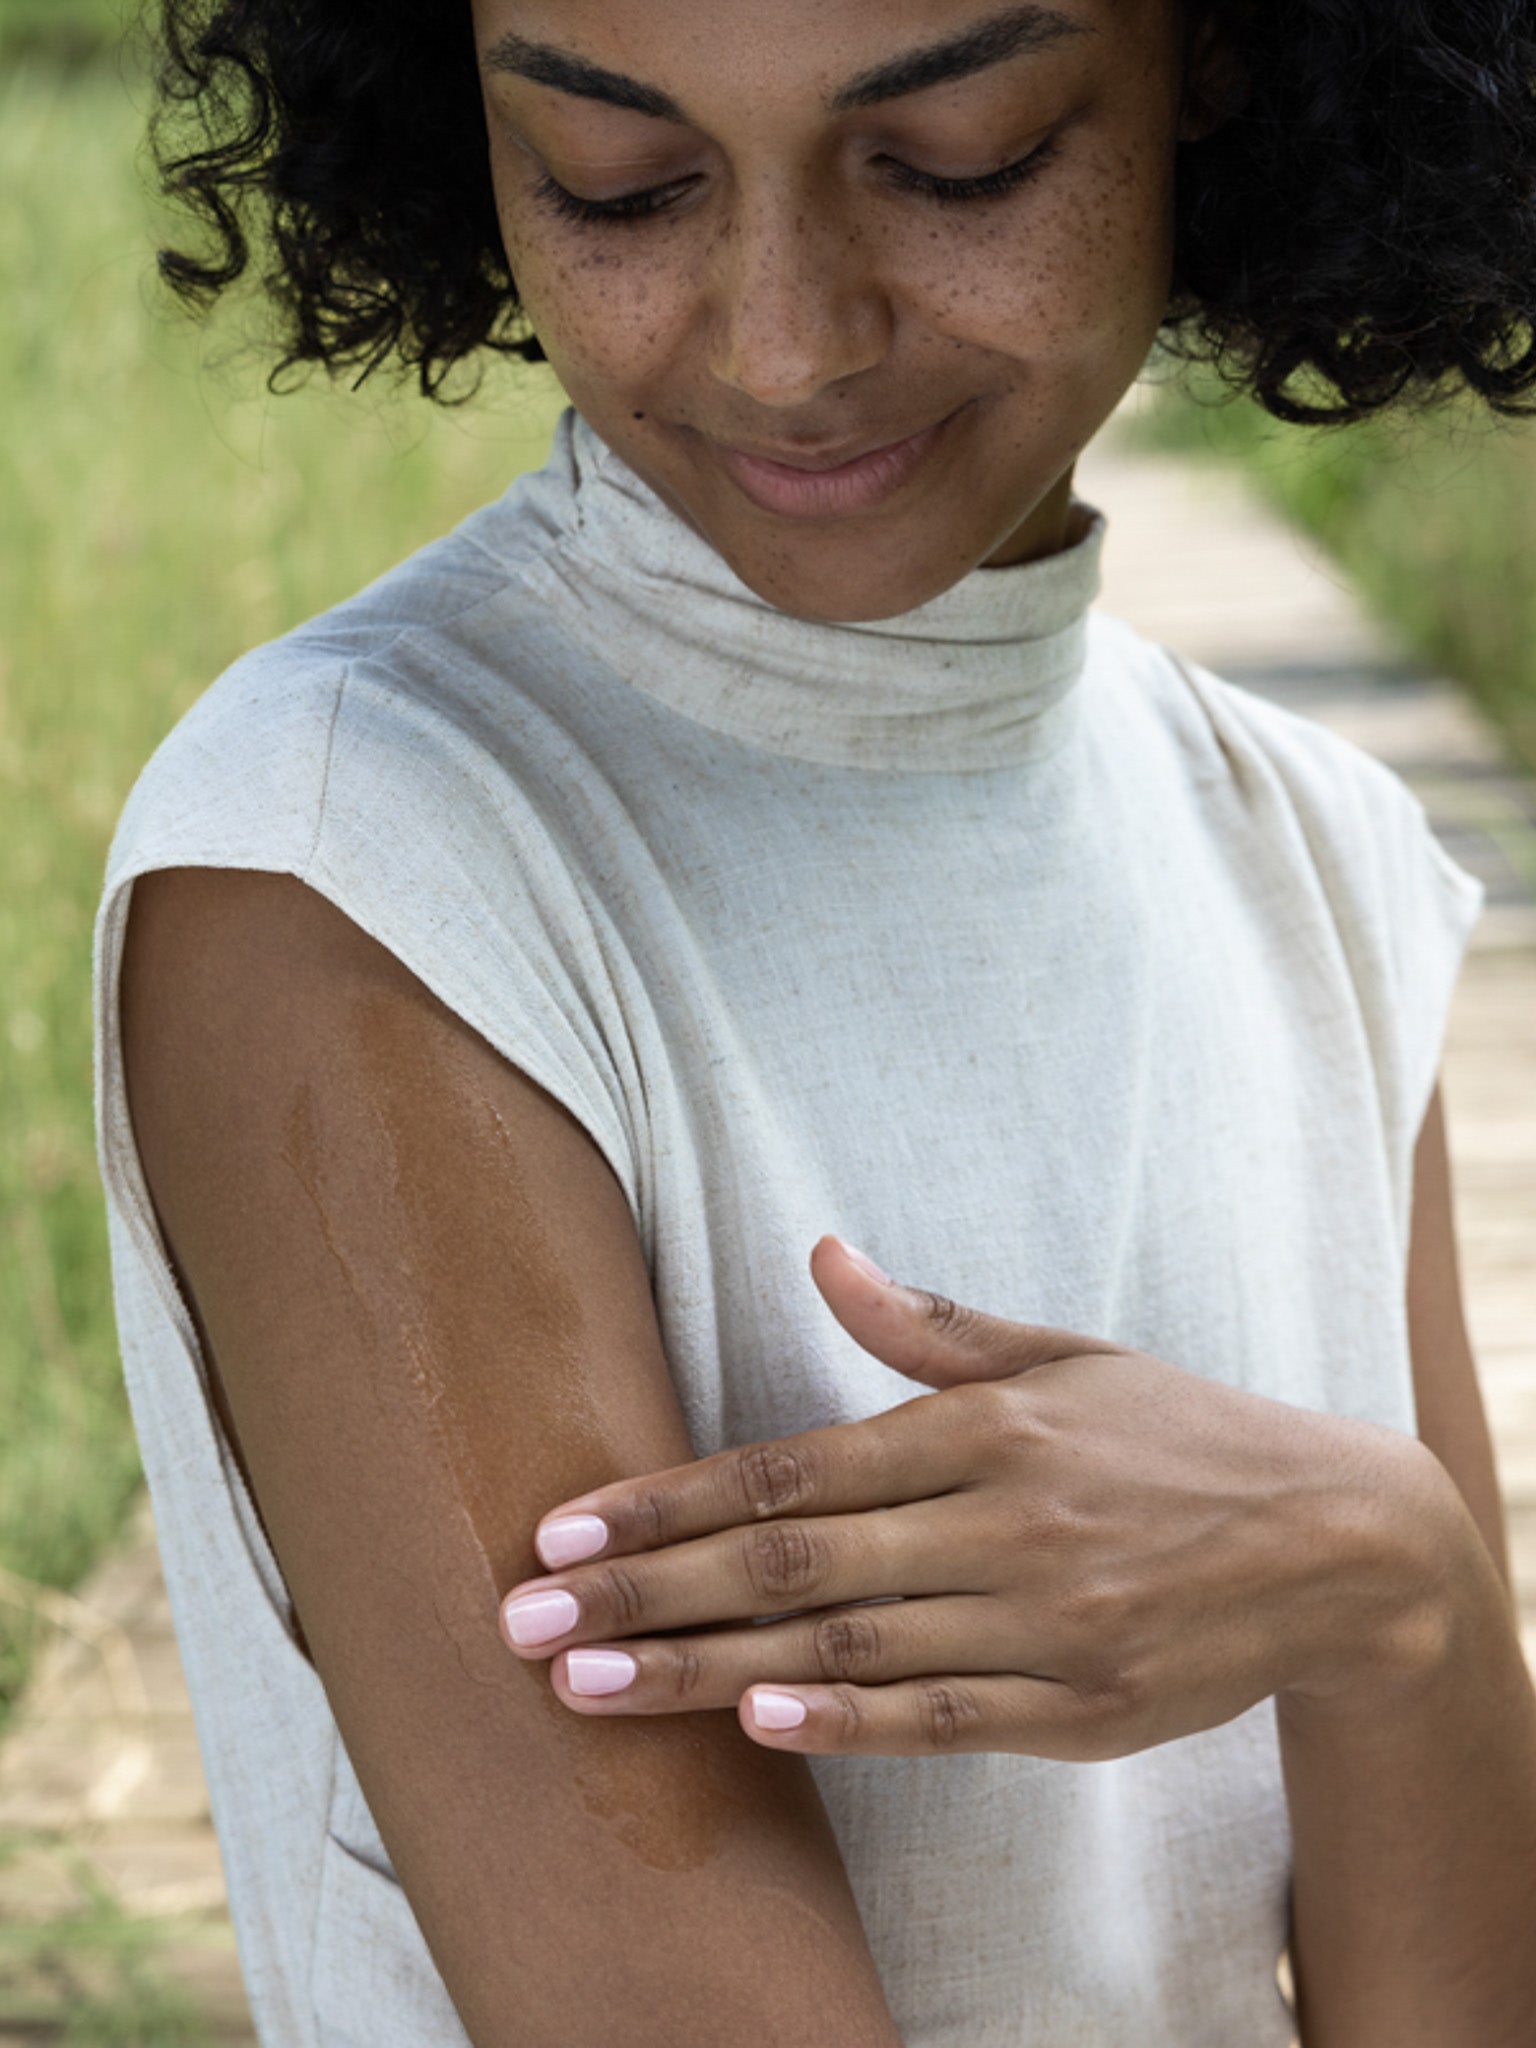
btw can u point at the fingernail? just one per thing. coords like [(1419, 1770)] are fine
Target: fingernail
[(593, 1671), (777, 1710), (863, 1259), (569, 1538), (535, 1617)]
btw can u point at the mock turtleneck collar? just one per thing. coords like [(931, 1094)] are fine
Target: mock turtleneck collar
[(978, 677)]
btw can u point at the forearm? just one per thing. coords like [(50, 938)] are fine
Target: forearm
[(1413, 1816)]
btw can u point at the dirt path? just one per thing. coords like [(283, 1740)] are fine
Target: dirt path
[(102, 1762)]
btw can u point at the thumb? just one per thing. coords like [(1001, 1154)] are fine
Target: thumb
[(928, 1336)]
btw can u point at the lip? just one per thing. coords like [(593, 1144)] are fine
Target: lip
[(816, 488)]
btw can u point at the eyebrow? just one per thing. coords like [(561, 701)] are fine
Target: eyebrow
[(960, 56), (989, 42), (545, 64)]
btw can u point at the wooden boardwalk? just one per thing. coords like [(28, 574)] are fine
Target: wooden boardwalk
[(102, 1765)]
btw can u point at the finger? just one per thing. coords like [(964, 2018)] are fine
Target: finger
[(867, 1643), (923, 1547), (941, 1716), (932, 1337), (922, 1447)]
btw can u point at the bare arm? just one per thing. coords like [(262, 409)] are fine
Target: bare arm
[(1452, 1420), (432, 1322), (1414, 1815)]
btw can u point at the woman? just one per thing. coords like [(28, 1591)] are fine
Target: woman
[(737, 839)]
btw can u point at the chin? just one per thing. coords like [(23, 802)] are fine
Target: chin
[(812, 577)]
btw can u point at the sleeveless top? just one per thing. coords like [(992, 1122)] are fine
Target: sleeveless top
[(1060, 975)]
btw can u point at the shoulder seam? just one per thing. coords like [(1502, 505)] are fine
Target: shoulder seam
[(512, 573)]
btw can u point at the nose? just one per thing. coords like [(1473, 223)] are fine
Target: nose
[(796, 300)]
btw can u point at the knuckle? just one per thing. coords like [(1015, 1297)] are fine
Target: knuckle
[(1039, 1526), (687, 1671), (947, 1712), (620, 1595), (652, 1514), (783, 1560), (1134, 1696), (1112, 1698), (847, 1717), (947, 1318), (1003, 1420), (1063, 1531), (846, 1645), (1095, 1607), (774, 1478)]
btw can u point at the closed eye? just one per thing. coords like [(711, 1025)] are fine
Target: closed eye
[(628, 207), (993, 186), (635, 206)]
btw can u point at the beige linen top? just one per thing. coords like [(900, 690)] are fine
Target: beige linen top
[(1063, 977)]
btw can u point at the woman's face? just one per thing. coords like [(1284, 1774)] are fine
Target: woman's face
[(777, 290)]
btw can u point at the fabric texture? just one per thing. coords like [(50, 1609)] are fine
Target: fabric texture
[(1063, 977)]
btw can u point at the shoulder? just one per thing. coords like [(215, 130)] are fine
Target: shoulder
[(1365, 832), (405, 755), (1292, 781), (1228, 733), (1331, 850), (408, 664), (375, 703), (1301, 815)]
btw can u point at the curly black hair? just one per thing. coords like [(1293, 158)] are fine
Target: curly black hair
[(1360, 231)]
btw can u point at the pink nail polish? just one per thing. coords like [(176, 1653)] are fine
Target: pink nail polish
[(569, 1538), (777, 1710), (538, 1617), (599, 1671)]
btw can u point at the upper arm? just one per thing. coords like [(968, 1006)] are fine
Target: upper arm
[(432, 1322), (1452, 1422)]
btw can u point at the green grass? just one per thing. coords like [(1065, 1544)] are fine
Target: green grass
[(68, 31), (94, 1976), (1433, 518), (159, 514), (106, 17)]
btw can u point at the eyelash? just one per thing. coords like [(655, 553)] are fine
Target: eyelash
[(995, 185), (946, 191)]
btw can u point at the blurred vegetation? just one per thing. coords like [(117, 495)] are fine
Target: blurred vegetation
[(93, 1976), (1432, 517), (64, 31), (160, 513)]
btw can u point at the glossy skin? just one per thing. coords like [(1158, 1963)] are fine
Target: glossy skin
[(796, 295), (424, 1307)]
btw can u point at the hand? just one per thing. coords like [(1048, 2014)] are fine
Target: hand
[(1094, 1552)]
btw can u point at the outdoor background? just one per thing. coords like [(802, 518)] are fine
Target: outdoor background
[(160, 513)]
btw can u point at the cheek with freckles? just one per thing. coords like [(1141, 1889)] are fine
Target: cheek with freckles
[(1068, 299), (1068, 291), (611, 317)]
